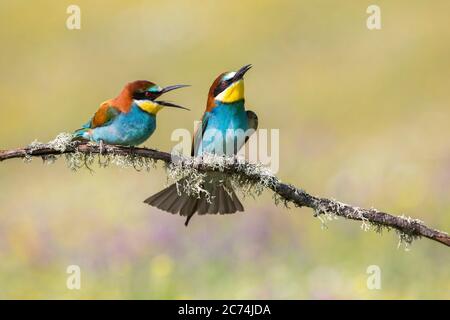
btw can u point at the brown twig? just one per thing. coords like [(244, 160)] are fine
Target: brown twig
[(408, 228)]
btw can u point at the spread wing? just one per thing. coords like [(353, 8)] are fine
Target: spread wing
[(104, 116), (198, 134)]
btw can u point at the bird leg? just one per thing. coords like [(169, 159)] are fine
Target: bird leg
[(102, 150), (101, 147)]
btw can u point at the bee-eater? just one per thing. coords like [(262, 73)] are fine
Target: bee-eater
[(223, 124), (130, 118)]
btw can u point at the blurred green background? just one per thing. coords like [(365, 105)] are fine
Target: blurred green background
[(363, 117)]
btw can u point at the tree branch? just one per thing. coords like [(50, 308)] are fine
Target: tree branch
[(407, 228)]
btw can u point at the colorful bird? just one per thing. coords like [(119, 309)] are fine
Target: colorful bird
[(223, 130), (130, 118)]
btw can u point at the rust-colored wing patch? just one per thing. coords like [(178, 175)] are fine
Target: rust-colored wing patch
[(104, 114)]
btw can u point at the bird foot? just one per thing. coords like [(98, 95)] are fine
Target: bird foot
[(101, 147)]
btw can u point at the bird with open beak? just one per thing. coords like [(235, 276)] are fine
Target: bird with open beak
[(130, 118)]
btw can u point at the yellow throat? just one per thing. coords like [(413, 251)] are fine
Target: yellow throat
[(233, 93), (149, 106)]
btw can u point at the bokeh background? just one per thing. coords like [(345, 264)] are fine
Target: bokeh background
[(363, 117)]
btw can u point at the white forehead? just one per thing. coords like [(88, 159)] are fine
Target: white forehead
[(229, 75)]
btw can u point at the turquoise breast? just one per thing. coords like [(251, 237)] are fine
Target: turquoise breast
[(131, 128), (226, 127)]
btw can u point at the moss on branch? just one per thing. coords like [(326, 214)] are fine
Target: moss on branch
[(249, 178)]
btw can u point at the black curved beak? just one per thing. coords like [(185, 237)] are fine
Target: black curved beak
[(174, 87), (240, 73), (170, 104)]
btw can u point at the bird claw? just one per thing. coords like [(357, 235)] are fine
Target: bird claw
[(101, 147)]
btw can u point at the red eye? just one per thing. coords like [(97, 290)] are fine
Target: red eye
[(148, 94)]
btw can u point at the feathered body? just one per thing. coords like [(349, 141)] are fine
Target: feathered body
[(223, 130), (128, 128), (130, 118), (227, 120)]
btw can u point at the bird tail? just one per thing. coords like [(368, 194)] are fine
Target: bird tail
[(222, 200), (80, 134)]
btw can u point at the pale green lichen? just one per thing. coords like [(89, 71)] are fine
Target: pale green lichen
[(253, 178), (411, 220), (78, 160), (62, 142), (33, 146), (188, 179), (405, 238), (280, 200), (326, 212), (248, 178), (330, 210)]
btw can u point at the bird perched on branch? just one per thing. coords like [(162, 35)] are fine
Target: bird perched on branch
[(225, 128), (130, 118)]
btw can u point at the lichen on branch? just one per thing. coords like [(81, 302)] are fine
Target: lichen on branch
[(251, 179)]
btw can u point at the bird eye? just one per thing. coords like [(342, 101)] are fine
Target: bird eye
[(148, 94)]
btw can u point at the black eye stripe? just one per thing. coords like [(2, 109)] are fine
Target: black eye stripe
[(139, 96), (222, 86), (144, 95)]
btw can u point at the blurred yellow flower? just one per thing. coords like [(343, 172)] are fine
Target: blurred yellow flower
[(161, 266)]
